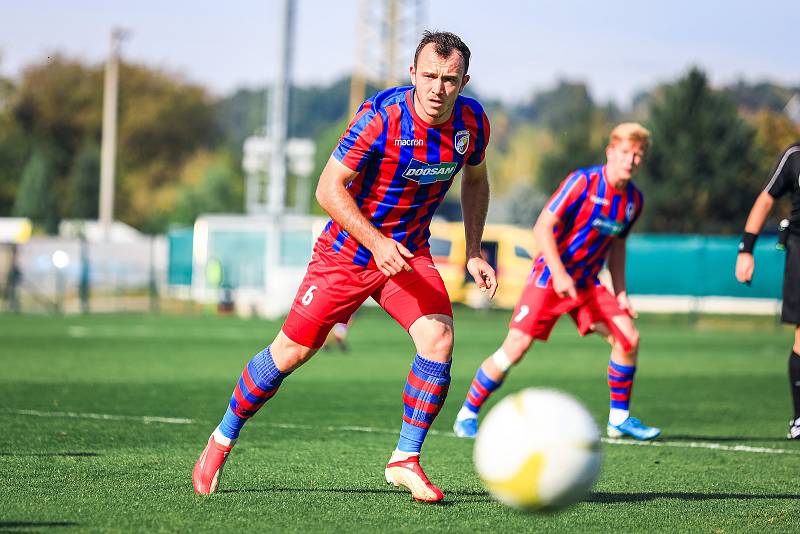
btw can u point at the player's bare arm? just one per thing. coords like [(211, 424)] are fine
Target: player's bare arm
[(563, 284), (332, 195), (616, 267), (474, 204), (745, 263)]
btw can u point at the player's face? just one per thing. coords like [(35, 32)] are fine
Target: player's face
[(438, 82), (624, 158)]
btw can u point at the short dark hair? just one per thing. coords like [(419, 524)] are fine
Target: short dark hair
[(445, 43)]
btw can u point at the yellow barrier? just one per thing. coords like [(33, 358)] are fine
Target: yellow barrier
[(509, 249)]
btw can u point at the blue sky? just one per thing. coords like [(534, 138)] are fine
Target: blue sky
[(518, 46)]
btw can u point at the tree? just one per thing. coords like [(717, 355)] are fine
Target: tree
[(574, 149), (698, 176), (14, 153), (325, 142), (576, 125), (36, 197), (761, 96), (210, 184), (774, 132), (84, 183), (559, 108), (163, 120)]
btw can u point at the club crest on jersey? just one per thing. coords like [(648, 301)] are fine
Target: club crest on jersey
[(428, 173), (461, 141), (629, 210)]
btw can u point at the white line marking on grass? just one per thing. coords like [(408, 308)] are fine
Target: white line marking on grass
[(107, 417), (372, 430), (700, 445)]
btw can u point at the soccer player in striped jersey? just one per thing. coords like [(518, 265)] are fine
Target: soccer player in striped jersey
[(582, 227), (381, 187)]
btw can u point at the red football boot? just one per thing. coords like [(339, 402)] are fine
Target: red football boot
[(207, 470), (409, 474)]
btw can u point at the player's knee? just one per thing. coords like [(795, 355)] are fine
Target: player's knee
[(440, 345), (434, 340), (633, 341), (289, 355)]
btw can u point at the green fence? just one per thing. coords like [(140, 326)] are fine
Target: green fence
[(692, 265), (179, 268), (241, 254), (700, 266)]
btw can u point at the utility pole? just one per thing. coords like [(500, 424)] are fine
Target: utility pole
[(277, 127), (108, 149)]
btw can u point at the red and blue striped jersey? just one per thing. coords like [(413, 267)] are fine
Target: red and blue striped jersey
[(405, 166), (591, 214)]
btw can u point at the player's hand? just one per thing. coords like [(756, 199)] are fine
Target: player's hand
[(390, 256), (745, 265), (564, 285), (625, 304), (483, 274)]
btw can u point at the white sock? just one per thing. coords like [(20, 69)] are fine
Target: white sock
[(617, 417), (465, 413), (399, 456), (222, 439)]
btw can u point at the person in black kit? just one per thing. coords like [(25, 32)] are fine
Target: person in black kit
[(785, 179)]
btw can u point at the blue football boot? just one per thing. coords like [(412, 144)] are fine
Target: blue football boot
[(634, 428), (466, 428)]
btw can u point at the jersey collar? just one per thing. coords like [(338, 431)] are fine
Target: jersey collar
[(417, 118)]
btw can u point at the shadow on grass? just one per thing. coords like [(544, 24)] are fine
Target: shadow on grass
[(603, 497), (689, 437), (66, 454), (463, 496)]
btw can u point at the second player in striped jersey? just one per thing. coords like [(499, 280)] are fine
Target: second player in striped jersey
[(583, 226)]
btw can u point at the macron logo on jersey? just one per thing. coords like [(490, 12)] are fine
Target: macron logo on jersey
[(428, 173), (409, 142)]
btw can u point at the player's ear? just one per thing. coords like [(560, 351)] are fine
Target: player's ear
[(413, 74), (464, 82)]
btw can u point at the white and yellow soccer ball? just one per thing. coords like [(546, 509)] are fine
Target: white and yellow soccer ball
[(538, 449)]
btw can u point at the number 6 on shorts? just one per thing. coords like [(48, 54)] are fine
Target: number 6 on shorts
[(308, 296)]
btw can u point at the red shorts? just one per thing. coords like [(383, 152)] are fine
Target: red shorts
[(334, 288), (539, 308)]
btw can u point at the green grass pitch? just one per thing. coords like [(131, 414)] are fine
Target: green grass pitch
[(77, 453)]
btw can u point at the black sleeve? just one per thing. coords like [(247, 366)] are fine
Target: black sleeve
[(786, 171)]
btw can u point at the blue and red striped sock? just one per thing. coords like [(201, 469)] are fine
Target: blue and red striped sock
[(259, 382), (482, 386), (423, 397), (620, 383)]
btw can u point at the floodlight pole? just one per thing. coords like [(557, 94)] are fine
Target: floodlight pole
[(108, 148)]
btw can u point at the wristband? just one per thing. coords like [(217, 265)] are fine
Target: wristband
[(747, 243)]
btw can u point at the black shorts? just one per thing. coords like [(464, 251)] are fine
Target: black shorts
[(791, 281)]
